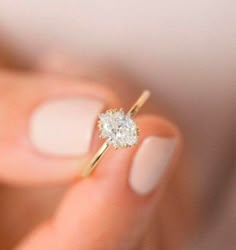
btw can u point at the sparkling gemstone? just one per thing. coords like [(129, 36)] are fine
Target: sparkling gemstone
[(118, 128)]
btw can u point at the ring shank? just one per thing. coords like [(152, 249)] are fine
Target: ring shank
[(133, 111), (93, 162), (139, 103)]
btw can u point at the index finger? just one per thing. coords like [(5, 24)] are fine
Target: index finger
[(47, 126)]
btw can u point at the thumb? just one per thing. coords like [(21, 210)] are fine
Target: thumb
[(112, 208)]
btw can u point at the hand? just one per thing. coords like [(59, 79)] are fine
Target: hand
[(47, 134)]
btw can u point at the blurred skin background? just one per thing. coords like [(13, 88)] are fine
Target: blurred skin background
[(183, 51)]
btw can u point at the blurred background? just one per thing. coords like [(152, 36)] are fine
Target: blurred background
[(184, 51)]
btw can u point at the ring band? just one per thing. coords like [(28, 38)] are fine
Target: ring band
[(126, 132)]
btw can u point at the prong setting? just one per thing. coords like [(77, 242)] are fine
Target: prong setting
[(118, 128)]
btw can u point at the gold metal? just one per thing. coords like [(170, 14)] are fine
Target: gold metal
[(92, 164), (139, 103), (133, 111)]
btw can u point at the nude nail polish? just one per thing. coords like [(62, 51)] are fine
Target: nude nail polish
[(64, 126), (150, 163)]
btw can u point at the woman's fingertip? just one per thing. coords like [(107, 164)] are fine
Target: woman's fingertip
[(48, 126), (64, 126), (158, 149), (150, 163), (144, 166)]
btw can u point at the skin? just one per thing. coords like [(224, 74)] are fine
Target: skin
[(189, 59), (53, 211)]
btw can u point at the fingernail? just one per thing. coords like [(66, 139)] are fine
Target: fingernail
[(64, 126), (150, 162)]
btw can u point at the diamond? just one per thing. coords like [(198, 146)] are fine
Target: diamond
[(119, 129)]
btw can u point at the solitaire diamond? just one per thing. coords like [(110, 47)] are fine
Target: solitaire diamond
[(118, 128)]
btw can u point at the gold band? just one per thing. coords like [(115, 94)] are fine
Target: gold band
[(133, 111)]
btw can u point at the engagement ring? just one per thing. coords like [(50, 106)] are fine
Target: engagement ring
[(118, 129)]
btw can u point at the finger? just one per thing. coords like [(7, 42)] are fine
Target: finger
[(112, 209), (56, 62), (47, 126), (7, 60)]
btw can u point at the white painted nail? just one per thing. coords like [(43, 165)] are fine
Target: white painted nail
[(64, 126), (150, 162)]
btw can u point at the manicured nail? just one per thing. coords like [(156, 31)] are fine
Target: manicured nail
[(150, 162), (64, 126)]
